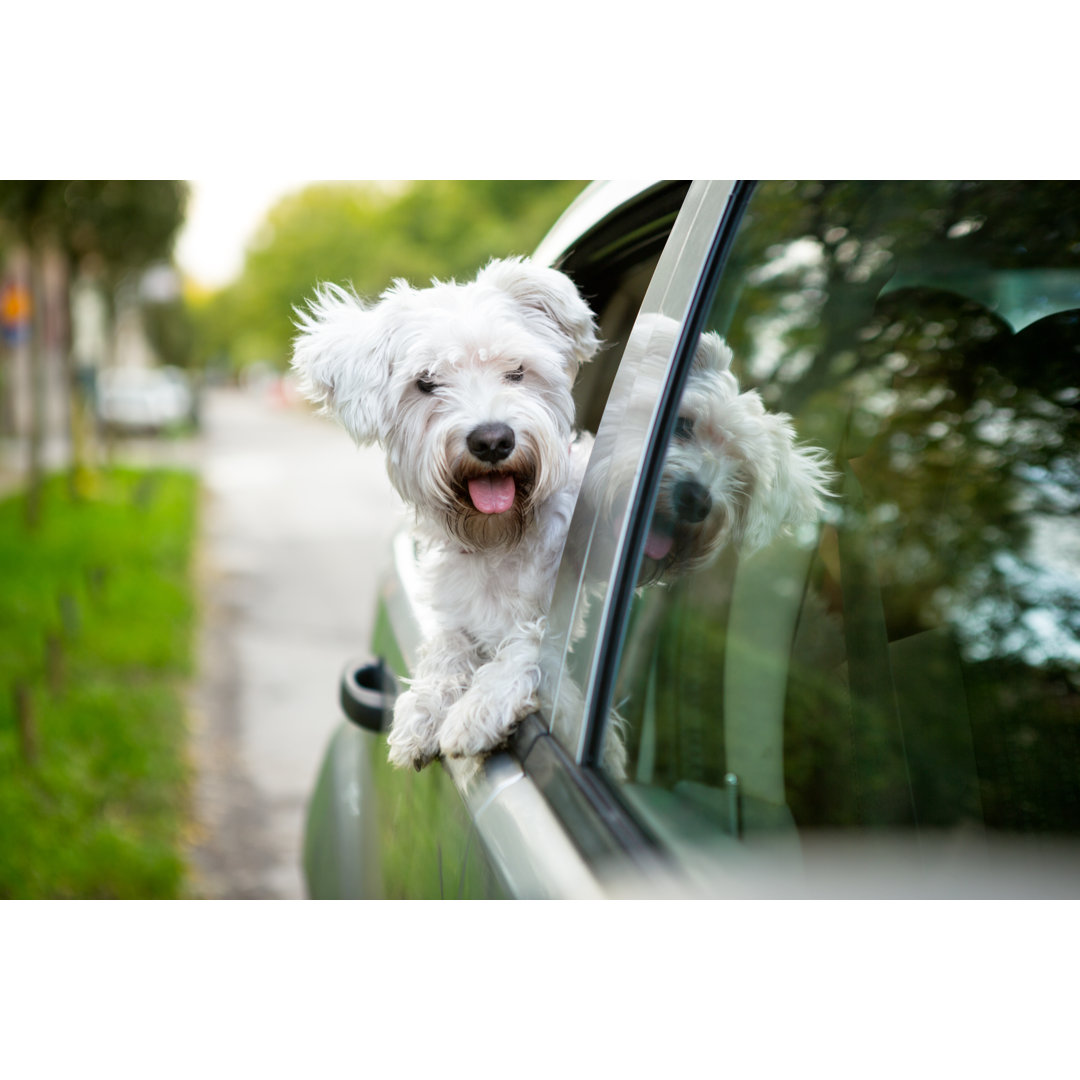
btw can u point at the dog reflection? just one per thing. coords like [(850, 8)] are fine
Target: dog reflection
[(733, 475), (734, 478)]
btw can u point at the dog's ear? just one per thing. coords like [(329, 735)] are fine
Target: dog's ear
[(547, 298), (341, 358), (713, 353), (792, 484)]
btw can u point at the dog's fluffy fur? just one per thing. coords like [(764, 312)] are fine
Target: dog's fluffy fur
[(467, 389)]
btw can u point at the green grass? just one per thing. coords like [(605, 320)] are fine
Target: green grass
[(96, 642)]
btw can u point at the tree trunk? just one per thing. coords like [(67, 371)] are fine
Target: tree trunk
[(38, 391)]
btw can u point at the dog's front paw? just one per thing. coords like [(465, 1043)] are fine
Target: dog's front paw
[(413, 738), (458, 741), (476, 725), (410, 757)]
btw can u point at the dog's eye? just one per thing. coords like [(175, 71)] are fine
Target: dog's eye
[(684, 429), (516, 376), (425, 385)]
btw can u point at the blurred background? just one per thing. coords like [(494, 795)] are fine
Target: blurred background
[(188, 553)]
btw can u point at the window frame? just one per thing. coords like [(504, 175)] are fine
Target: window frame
[(680, 289)]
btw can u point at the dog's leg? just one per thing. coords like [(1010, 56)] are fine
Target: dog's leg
[(503, 691), (443, 671)]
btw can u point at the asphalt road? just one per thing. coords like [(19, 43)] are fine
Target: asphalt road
[(296, 523)]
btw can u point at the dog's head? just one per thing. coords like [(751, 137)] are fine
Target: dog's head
[(466, 387), (733, 473)]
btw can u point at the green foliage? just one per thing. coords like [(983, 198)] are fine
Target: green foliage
[(170, 331), (366, 236), (127, 224), (96, 622)]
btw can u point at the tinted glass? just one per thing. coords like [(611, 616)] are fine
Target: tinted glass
[(903, 656)]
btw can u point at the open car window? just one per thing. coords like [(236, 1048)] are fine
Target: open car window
[(667, 267), (903, 666), (613, 266)]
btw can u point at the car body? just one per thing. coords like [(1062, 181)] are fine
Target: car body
[(144, 399), (884, 702)]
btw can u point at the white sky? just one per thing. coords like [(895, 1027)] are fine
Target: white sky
[(222, 217)]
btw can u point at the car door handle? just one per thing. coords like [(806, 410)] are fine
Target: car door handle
[(368, 691)]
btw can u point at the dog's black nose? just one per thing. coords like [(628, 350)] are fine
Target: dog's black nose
[(692, 501), (491, 442)]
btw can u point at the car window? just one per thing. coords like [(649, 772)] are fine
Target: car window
[(578, 615), (902, 655)]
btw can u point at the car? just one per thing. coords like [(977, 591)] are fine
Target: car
[(144, 399), (884, 701)]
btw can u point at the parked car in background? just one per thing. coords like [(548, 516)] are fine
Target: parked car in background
[(883, 703), (144, 399)]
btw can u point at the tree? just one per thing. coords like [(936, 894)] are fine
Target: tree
[(33, 211), (366, 235), (124, 224)]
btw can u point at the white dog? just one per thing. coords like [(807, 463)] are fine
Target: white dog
[(467, 389)]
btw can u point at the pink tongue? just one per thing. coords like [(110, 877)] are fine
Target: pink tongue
[(492, 494), (657, 545)]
